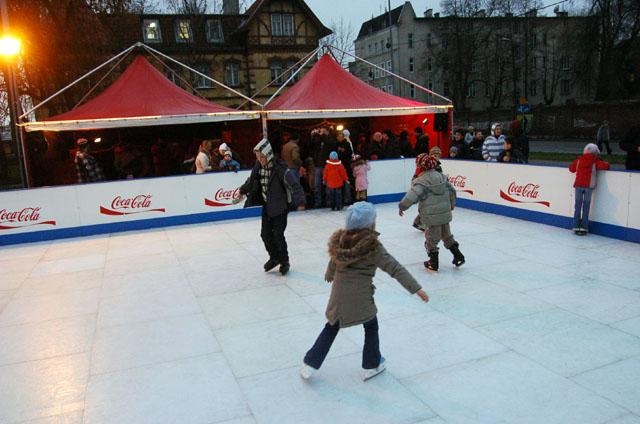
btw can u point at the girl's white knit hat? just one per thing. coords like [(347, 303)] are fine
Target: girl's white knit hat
[(361, 215)]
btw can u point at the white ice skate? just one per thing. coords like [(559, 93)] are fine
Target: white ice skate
[(368, 374), (307, 371)]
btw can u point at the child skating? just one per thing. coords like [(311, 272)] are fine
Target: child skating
[(355, 253), (437, 199)]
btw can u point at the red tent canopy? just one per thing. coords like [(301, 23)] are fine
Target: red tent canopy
[(141, 96), (327, 90)]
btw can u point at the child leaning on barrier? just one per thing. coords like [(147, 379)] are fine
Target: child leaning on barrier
[(355, 254), (361, 170), (585, 167), (437, 199)]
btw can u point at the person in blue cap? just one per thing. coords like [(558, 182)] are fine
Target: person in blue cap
[(355, 254)]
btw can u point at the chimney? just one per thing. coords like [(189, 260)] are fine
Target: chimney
[(231, 7), (436, 15), (531, 13), (562, 14), (428, 13), (482, 13)]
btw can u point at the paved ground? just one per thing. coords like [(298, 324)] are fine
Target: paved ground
[(568, 146), (181, 326)]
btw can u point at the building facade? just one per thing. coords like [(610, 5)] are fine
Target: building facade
[(478, 62), (244, 51)]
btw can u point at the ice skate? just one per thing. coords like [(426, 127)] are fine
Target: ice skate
[(284, 268), (368, 374), (432, 263), (307, 371), (270, 264), (458, 257)]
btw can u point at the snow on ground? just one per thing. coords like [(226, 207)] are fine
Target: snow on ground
[(180, 325)]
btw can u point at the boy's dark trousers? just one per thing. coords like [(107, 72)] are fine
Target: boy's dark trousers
[(370, 353), (272, 234), (334, 197)]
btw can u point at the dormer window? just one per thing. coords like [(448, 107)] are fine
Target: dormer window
[(183, 31), (151, 31), (282, 25), (214, 31)]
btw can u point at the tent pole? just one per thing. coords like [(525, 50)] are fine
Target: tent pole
[(272, 81), (79, 79), (395, 75), (291, 77), (202, 75), (265, 130)]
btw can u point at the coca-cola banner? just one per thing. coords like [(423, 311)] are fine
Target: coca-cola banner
[(37, 210), (214, 192), (131, 200)]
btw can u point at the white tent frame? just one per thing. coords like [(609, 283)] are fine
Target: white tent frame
[(141, 121)]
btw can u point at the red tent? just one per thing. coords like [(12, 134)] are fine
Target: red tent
[(141, 96), (328, 91)]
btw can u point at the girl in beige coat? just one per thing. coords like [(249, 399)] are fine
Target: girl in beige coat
[(355, 254)]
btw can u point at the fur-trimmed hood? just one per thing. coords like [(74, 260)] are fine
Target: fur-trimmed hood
[(347, 247)]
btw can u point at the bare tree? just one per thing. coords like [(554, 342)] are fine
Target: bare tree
[(342, 36), (190, 7)]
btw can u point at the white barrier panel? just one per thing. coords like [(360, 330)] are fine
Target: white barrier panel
[(610, 202), (634, 201), (213, 192), (40, 209), (387, 177)]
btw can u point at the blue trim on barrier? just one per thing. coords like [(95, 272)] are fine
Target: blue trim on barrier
[(116, 227)]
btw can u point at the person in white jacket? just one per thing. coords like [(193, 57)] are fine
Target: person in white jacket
[(203, 160)]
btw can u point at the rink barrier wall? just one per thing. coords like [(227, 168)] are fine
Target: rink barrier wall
[(542, 194)]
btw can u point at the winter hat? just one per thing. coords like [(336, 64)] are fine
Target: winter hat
[(333, 156), (435, 151), (264, 147), (227, 153), (426, 162), (223, 148), (453, 151), (493, 128), (591, 148), (356, 157), (82, 142), (346, 133), (360, 215)]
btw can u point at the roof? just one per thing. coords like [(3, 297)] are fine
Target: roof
[(327, 90), (380, 22), (141, 96), (254, 9)]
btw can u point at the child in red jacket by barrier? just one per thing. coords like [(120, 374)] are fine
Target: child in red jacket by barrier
[(585, 167), (334, 177)]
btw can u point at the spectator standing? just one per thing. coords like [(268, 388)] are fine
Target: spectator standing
[(631, 145), (585, 167), (203, 160), (361, 170), (458, 146), (291, 155), (474, 150), (272, 186), (228, 164), (510, 153), (375, 150), (406, 151), (493, 144), (468, 137), (604, 137), (335, 177), (422, 144), (391, 145), (161, 158), (322, 145), (87, 167), (355, 254), (521, 140)]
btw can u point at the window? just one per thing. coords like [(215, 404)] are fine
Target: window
[(370, 50), (389, 67), (566, 63), (533, 88), (474, 66), (413, 91), (471, 92), (429, 39), (276, 24), (410, 40), (388, 45), (151, 31), (445, 88), (183, 31), (376, 73), (565, 87), (411, 65), (214, 31), (276, 72), (232, 74), (429, 64), (288, 27), (517, 52), (390, 89), (293, 69), (384, 88), (199, 81)]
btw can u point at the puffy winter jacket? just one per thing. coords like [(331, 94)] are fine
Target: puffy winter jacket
[(585, 168), (436, 196), (334, 174)]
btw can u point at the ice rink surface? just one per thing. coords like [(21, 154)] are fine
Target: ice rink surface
[(181, 325)]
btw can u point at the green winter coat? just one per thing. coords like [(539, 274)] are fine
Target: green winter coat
[(436, 196), (355, 256)]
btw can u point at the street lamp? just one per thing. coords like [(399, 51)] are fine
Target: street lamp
[(10, 47)]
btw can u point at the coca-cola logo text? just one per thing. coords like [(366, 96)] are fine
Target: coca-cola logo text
[(223, 198), (24, 217), (121, 206), (530, 192), (459, 182)]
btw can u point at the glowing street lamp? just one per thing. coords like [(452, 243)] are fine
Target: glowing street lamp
[(9, 46)]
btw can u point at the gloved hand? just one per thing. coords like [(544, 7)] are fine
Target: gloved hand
[(238, 199)]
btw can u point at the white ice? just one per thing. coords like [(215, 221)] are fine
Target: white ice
[(181, 325)]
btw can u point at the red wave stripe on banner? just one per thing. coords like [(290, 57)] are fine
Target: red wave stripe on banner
[(213, 204), (106, 211), (8, 227), (505, 196), (467, 191)]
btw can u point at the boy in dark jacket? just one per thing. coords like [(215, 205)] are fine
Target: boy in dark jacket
[(585, 167), (274, 187), (355, 254)]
